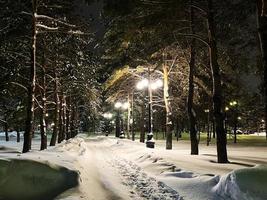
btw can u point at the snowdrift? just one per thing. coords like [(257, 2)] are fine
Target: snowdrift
[(245, 184), (181, 173), (31, 180)]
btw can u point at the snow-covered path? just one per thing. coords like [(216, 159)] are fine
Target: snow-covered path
[(111, 168), (131, 171), (108, 175)]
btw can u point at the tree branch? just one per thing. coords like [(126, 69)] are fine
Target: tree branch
[(196, 36)]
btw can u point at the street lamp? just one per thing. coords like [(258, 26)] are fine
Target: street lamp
[(142, 84), (107, 115), (118, 104), (234, 104), (107, 127), (226, 109), (208, 126), (150, 85), (119, 121)]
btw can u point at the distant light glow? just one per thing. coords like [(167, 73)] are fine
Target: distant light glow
[(233, 103), (142, 84), (108, 115), (118, 104), (157, 84), (125, 105)]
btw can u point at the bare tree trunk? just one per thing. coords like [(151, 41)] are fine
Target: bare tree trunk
[(67, 124), (190, 109), (177, 128), (128, 116), (6, 130), (132, 116), (68, 117), (73, 121), (77, 122), (208, 128), (262, 30), (18, 135), (213, 129), (56, 117), (72, 116), (31, 90), (118, 129), (217, 88), (64, 118), (60, 123), (43, 111), (167, 107)]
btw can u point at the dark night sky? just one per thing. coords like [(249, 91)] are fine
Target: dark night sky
[(92, 13)]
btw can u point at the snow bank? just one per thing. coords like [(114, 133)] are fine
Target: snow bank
[(10, 134), (31, 180), (246, 184)]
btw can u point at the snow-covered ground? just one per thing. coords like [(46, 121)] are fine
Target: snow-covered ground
[(111, 168)]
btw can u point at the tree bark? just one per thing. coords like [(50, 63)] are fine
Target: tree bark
[(217, 88), (56, 111), (18, 135), (6, 130), (118, 128), (262, 31), (43, 111), (74, 121), (190, 98), (68, 117), (167, 107), (64, 118), (208, 128), (31, 90), (60, 122), (77, 122), (132, 116), (72, 118), (128, 116)]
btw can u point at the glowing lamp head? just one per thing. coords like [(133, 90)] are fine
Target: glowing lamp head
[(157, 84), (118, 104), (142, 84), (125, 105), (107, 115)]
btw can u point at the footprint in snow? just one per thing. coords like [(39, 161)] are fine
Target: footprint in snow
[(144, 186)]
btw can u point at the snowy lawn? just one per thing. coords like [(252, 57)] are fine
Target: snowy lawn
[(111, 168)]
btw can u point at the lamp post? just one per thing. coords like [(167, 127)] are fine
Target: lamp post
[(226, 120), (132, 117), (119, 121), (208, 126), (151, 85), (234, 104), (118, 128), (108, 128)]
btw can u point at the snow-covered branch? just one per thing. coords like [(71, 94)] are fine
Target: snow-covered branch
[(53, 19), (18, 84), (47, 27)]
